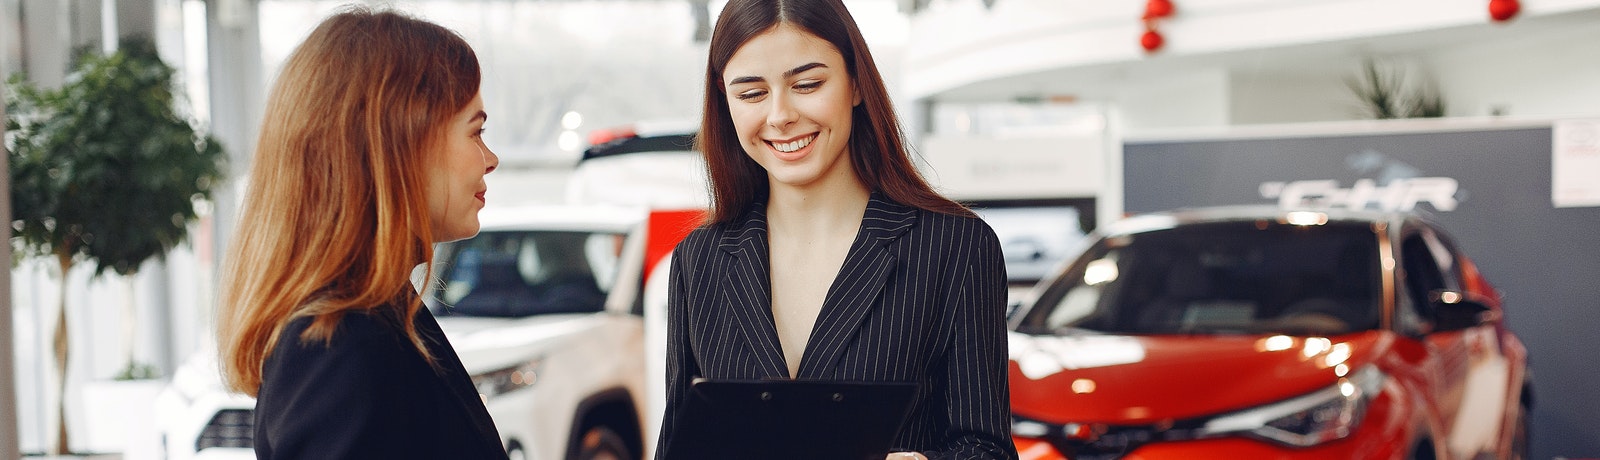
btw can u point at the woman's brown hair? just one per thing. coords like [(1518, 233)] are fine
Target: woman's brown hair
[(877, 146), (335, 216)]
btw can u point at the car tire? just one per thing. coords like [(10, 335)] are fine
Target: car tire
[(600, 443), (1423, 450)]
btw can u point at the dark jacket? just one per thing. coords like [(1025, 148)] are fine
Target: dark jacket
[(369, 394), (920, 298)]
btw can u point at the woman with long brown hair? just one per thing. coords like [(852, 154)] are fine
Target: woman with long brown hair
[(370, 152), (826, 256)]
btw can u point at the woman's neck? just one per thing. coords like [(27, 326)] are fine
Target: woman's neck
[(818, 211)]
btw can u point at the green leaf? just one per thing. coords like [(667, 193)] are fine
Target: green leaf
[(104, 166)]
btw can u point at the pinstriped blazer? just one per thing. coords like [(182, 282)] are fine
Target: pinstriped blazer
[(920, 298)]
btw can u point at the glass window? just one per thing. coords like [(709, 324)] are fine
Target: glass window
[(1219, 278), (524, 273), (1428, 265), (1421, 272), (1036, 236)]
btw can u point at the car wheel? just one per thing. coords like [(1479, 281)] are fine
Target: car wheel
[(600, 443), (1423, 450)]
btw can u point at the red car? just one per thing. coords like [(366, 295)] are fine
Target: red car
[(1234, 333)]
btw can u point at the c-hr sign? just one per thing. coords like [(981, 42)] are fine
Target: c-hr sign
[(1397, 195)]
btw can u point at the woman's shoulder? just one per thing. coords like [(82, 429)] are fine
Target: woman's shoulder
[(700, 240), (356, 331), (932, 217), (957, 226)]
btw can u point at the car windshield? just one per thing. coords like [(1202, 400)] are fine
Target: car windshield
[(509, 274), (1218, 278)]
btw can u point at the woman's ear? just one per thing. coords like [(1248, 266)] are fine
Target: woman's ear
[(855, 94)]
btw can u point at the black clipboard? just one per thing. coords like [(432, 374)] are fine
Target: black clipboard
[(790, 419)]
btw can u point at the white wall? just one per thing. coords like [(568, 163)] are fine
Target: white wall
[(1264, 99), (1554, 74), (1198, 97)]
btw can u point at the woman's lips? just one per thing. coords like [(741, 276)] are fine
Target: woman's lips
[(801, 146)]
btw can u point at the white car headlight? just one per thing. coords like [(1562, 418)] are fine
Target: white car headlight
[(498, 382), (1321, 416)]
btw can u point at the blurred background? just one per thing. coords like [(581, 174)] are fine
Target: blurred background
[(1025, 105)]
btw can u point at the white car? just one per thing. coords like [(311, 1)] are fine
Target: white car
[(543, 308)]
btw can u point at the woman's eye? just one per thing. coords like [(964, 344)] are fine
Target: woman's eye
[(478, 133), (807, 86), (751, 94)]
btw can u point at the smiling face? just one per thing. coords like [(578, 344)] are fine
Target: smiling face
[(790, 97), (455, 182)]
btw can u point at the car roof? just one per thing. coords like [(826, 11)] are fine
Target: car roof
[(645, 136), (1199, 215), (558, 217)]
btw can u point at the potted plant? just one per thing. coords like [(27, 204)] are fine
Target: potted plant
[(104, 172), (1383, 95)]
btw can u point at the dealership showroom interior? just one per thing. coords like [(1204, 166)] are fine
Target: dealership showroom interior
[(1232, 229)]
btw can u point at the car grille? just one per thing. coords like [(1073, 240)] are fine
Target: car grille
[(229, 428), (1112, 442), (1115, 443)]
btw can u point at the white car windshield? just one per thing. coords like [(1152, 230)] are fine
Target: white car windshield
[(511, 274)]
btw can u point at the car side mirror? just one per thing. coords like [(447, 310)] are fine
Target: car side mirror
[(1457, 310)]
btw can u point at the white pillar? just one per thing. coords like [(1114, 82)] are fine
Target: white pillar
[(46, 40), (135, 18), (10, 448), (234, 54), (10, 37)]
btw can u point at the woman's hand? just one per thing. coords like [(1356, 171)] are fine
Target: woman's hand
[(906, 456)]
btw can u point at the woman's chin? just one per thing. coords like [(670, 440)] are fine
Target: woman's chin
[(456, 234)]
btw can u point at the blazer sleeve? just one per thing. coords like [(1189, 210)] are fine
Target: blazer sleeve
[(977, 398), (340, 400), (681, 365)]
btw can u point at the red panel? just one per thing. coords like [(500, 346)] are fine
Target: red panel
[(666, 229)]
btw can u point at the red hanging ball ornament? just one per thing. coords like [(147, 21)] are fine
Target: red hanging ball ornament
[(1154, 9), (1503, 10), (1151, 40)]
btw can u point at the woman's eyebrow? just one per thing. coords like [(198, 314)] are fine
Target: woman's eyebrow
[(803, 68), (787, 74)]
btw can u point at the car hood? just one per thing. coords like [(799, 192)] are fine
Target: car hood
[(1142, 379), (486, 344)]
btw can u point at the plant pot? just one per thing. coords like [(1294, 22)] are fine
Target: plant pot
[(117, 415)]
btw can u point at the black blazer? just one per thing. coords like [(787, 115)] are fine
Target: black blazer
[(369, 394), (920, 298)]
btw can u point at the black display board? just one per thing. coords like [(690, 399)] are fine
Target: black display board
[(1544, 260)]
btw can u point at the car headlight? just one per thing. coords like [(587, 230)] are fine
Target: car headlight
[(1029, 428), (498, 382), (1325, 415)]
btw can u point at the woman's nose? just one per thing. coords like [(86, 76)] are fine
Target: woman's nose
[(490, 160), (782, 112)]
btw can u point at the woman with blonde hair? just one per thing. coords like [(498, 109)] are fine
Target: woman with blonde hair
[(370, 152)]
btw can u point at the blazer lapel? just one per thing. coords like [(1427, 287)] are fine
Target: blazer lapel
[(855, 290), (748, 290)]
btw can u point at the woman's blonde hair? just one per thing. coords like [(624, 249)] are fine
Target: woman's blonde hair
[(335, 217)]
